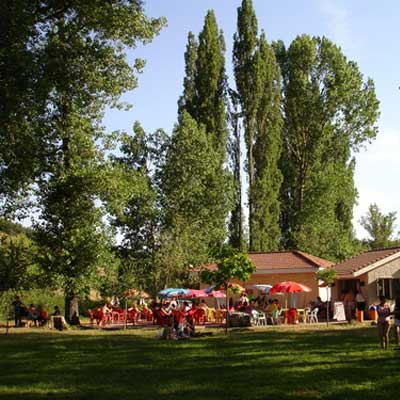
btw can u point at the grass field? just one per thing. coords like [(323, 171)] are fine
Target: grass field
[(272, 363)]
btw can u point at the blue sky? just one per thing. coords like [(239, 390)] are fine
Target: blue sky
[(366, 30)]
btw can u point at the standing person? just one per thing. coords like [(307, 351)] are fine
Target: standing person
[(115, 302), (396, 314), (17, 305), (360, 300), (348, 300), (383, 311)]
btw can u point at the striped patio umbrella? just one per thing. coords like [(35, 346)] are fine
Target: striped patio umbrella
[(172, 292)]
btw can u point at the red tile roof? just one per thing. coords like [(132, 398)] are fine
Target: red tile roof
[(286, 260), (363, 260)]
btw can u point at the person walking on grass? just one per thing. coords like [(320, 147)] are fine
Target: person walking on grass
[(383, 311)]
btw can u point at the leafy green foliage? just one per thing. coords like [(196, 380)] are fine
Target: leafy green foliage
[(231, 264), (265, 189), (138, 214), (16, 260), (257, 80), (236, 223), (193, 192), (380, 227), (80, 46), (329, 111), (327, 275)]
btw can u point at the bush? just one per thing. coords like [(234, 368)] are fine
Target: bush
[(44, 297)]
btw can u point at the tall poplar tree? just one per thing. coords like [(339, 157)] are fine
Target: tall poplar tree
[(244, 50), (265, 189), (190, 197), (329, 112), (258, 85), (236, 223), (210, 83), (204, 99), (187, 100)]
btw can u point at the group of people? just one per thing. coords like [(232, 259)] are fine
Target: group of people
[(253, 305), (34, 315), (111, 312), (177, 320)]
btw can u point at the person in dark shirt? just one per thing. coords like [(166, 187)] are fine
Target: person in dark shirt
[(17, 305), (56, 311)]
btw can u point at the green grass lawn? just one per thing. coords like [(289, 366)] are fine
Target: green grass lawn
[(274, 363)]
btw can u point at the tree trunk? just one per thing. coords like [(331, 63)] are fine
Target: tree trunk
[(328, 305)]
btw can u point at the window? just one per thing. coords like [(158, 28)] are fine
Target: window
[(388, 287)]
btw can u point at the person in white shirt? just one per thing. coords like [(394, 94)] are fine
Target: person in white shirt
[(360, 301)]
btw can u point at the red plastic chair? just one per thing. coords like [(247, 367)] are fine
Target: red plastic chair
[(292, 316), (164, 319), (199, 316)]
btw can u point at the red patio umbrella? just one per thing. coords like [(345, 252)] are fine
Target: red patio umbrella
[(194, 294), (289, 287)]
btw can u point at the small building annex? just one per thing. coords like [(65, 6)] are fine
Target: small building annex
[(293, 265), (373, 273)]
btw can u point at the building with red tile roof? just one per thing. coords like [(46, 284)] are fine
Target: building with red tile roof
[(292, 265), (373, 273)]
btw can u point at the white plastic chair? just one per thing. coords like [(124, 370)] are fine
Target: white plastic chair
[(274, 317), (262, 319), (254, 317), (312, 316)]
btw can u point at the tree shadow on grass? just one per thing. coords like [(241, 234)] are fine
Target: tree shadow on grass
[(327, 364)]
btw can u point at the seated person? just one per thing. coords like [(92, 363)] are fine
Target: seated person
[(243, 298), (56, 311), (318, 302), (133, 313), (107, 308), (33, 316), (57, 320), (43, 315), (243, 306), (165, 314), (250, 307), (147, 313), (75, 319), (185, 307), (203, 304), (271, 307)]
